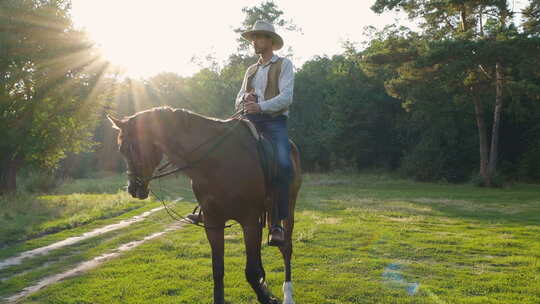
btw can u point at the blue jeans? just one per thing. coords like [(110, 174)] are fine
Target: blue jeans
[(275, 129)]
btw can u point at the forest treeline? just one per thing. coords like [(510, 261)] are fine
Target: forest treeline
[(456, 99)]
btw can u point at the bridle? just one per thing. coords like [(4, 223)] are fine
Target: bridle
[(161, 171)]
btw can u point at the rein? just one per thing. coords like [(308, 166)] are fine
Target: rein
[(220, 139), (177, 217)]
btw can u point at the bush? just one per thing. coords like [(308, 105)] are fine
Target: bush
[(39, 182), (529, 164), (432, 161), (497, 181)]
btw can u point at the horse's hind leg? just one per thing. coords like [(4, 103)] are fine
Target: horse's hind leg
[(288, 223), (286, 251), (254, 269)]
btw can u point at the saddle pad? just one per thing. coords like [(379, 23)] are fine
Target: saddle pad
[(267, 156), (252, 128)]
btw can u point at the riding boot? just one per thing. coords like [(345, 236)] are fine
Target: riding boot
[(277, 236), (276, 233)]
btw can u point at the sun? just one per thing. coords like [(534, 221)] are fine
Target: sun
[(147, 37)]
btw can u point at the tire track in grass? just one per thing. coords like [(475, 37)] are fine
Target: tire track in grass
[(16, 260), (88, 265)]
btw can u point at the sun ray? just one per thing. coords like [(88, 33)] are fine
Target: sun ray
[(150, 37)]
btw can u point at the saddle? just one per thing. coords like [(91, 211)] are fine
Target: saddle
[(269, 164), (268, 159)]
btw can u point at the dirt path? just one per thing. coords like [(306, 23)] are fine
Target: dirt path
[(72, 240), (85, 266)]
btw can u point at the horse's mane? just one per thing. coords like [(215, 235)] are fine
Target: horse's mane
[(185, 114)]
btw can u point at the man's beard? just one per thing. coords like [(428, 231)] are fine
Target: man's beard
[(259, 51)]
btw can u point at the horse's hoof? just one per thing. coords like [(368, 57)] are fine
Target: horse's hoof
[(269, 300), (288, 293), (273, 301)]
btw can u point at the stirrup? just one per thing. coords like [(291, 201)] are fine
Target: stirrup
[(195, 217)]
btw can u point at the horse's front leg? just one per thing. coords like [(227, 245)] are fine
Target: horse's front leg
[(255, 274), (216, 239)]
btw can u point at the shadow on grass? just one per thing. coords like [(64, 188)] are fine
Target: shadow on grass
[(517, 204)]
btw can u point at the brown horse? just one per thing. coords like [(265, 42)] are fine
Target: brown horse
[(227, 181)]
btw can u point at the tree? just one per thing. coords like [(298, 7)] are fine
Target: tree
[(531, 15), (341, 117), (50, 76), (474, 44), (267, 11)]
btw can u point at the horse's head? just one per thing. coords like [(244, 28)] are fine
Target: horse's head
[(140, 152)]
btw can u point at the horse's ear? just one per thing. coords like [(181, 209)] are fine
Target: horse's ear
[(116, 123)]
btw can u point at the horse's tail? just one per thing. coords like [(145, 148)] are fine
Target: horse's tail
[(296, 182), (297, 169)]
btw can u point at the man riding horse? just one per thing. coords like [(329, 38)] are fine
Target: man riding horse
[(265, 97)]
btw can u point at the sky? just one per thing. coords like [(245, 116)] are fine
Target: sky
[(147, 37)]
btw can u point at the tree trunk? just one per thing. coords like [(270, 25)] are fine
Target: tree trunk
[(464, 24), (493, 154), (482, 139), (8, 174)]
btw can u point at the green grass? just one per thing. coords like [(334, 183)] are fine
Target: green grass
[(358, 239), (25, 216), (74, 204)]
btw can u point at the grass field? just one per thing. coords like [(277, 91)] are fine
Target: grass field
[(358, 239)]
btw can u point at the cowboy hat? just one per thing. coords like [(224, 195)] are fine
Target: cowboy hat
[(263, 27)]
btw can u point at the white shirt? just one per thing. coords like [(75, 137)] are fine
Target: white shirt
[(285, 85)]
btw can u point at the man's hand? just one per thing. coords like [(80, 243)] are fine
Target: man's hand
[(250, 97), (251, 107)]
